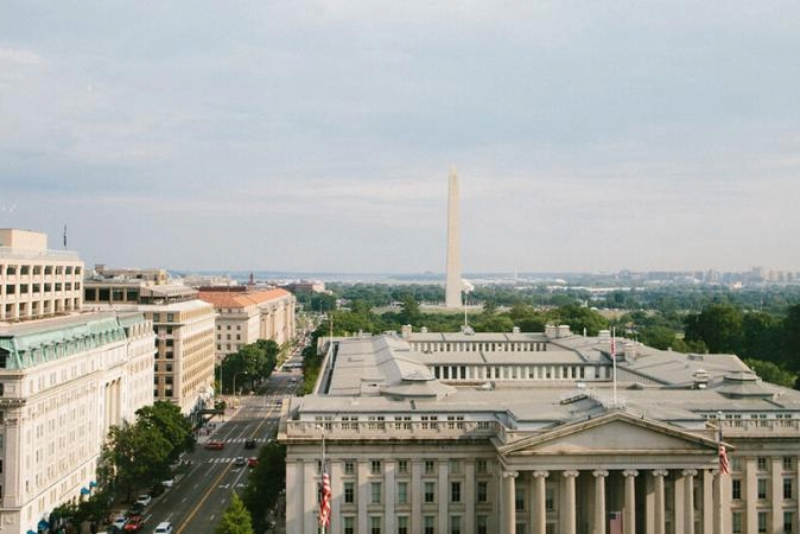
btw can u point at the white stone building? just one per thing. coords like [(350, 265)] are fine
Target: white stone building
[(524, 433), (63, 383)]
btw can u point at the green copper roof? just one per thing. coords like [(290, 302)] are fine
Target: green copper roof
[(33, 346)]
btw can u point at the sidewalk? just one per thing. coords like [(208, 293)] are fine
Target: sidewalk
[(205, 433)]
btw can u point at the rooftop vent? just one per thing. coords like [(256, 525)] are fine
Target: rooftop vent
[(604, 336)]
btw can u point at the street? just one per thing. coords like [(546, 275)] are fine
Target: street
[(200, 496)]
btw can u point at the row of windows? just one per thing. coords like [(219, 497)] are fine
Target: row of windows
[(24, 289), (228, 327), (763, 463), (238, 337), (25, 270), (762, 488), (455, 524), (508, 372), (116, 294), (737, 523), (479, 347), (428, 492), (429, 466)]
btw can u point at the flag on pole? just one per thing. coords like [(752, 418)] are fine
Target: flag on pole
[(724, 464), (325, 501), (614, 346)]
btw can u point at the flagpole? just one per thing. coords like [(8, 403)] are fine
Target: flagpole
[(323, 464), (614, 361)]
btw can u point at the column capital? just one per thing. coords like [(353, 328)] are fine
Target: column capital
[(715, 472), (600, 473), (510, 474), (571, 474), (541, 474), (630, 473), (689, 472), (660, 472)]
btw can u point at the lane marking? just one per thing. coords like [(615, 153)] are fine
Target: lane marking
[(194, 511)]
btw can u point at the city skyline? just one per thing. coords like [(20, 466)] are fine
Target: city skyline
[(318, 136)]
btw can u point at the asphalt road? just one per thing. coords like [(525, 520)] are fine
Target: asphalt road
[(196, 502)]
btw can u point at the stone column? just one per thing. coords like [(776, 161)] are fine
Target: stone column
[(629, 517), (540, 521), (389, 495), (600, 501), (509, 511), (658, 515), (362, 499), (337, 490), (751, 489), (311, 478), (444, 495), (708, 501), (688, 500), (469, 495), (416, 497), (719, 510), (568, 507), (776, 493)]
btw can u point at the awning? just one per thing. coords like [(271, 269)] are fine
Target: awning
[(31, 532), (92, 484), (43, 525), (85, 491)]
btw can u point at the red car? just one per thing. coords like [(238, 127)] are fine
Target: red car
[(215, 445), (252, 461), (134, 524)]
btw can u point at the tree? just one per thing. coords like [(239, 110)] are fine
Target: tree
[(769, 372), (265, 483), (719, 326), (410, 313), (167, 419), (139, 455), (236, 519)]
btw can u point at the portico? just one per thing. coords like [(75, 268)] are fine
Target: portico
[(616, 468)]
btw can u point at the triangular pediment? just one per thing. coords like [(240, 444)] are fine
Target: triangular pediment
[(613, 433)]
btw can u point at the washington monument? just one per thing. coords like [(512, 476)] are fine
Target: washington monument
[(453, 283)]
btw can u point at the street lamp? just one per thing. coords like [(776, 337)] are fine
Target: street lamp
[(234, 385)]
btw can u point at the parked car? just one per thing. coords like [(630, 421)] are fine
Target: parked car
[(215, 445), (168, 483), (250, 443), (240, 461), (119, 523), (144, 500), (252, 461), (134, 524), (163, 528)]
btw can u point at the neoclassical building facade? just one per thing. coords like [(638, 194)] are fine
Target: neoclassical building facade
[(430, 433), (63, 383)]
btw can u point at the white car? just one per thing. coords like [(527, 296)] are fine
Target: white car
[(119, 522), (168, 483), (144, 500), (163, 528)]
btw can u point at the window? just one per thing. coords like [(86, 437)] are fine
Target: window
[(788, 522), (349, 467), (156, 317), (788, 488), (455, 524), (349, 493), (483, 524), (736, 523), (430, 467), (483, 491), (430, 491), (430, 524), (788, 463), (375, 492), (480, 465), (349, 525), (402, 492), (736, 463), (549, 499), (375, 467), (519, 498), (375, 524), (402, 466), (455, 466), (402, 524), (455, 492), (762, 488), (170, 317), (761, 463), (736, 489), (762, 521)]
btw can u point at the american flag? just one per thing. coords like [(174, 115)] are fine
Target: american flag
[(724, 464), (325, 501), (613, 348)]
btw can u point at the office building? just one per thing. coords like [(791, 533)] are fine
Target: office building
[(245, 316), (35, 281), (431, 433)]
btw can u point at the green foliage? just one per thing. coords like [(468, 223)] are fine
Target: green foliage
[(166, 418), (719, 326), (578, 318), (248, 365), (265, 482), (772, 373), (139, 454), (236, 519)]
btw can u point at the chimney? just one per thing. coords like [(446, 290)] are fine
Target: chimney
[(405, 331)]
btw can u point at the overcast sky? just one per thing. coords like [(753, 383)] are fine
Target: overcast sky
[(317, 135)]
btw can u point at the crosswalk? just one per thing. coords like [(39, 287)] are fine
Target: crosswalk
[(221, 460), (242, 440)]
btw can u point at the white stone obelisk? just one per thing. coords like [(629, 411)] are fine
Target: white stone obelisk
[(453, 283)]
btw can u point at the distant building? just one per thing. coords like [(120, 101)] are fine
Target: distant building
[(305, 286), (184, 326), (245, 316), (35, 281), (516, 433)]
